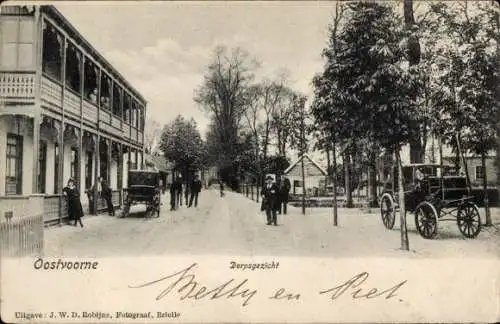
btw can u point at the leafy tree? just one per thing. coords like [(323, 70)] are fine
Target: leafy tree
[(468, 80), (181, 144), (364, 91)]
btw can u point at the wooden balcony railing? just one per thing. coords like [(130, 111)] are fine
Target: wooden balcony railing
[(139, 137), (126, 129), (17, 86), (51, 92), (89, 112), (133, 134), (71, 103), (116, 122), (105, 116)]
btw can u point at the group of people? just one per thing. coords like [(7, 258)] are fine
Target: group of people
[(191, 192), (275, 198), (75, 209)]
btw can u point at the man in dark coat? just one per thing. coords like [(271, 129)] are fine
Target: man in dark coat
[(195, 190), (270, 194), (178, 191), (284, 193), (106, 195)]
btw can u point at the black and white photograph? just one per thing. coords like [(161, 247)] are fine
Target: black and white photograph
[(251, 133)]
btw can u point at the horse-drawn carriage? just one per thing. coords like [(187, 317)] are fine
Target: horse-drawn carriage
[(143, 188), (432, 192)]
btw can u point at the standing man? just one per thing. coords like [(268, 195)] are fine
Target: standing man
[(284, 193), (195, 190), (106, 195), (221, 187), (270, 194), (279, 184), (178, 191)]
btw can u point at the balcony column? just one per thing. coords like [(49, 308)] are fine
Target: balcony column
[(120, 173), (109, 157), (81, 157), (96, 172), (61, 132), (37, 120)]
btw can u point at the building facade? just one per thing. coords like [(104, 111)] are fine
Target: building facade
[(65, 112), (315, 176)]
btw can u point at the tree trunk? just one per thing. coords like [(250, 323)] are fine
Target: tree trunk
[(347, 179), (405, 244), (303, 185), (413, 59), (464, 162), (485, 190), (334, 184)]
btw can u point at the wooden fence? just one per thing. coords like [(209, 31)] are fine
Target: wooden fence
[(22, 237)]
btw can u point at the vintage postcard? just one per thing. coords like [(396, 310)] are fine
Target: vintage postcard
[(249, 162)]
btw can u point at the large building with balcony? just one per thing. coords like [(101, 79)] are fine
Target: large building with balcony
[(65, 112)]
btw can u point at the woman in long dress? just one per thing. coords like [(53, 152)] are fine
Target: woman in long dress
[(75, 209)]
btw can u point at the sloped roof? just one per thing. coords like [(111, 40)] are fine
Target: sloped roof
[(159, 162), (310, 159)]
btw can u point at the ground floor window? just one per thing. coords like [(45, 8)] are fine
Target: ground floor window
[(479, 172), (74, 164), (14, 165), (88, 169), (42, 166), (103, 167)]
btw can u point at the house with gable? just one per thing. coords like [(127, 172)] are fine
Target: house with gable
[(315, 175)]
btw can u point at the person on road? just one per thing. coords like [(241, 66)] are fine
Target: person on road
[(178, 192), (75, 209), (195, 190), (187, 190), (106, 195), (172, 196), (284, 193), (270, 194), (221, 187)]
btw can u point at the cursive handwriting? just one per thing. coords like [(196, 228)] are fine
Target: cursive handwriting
[(188, 288), (353, 285)]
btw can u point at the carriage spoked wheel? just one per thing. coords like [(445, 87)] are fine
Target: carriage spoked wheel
[(468, 220), (426, 220), (388, 211)]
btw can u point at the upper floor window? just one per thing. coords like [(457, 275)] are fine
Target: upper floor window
[(52, 52), (133, 114), (105, 92), (73, 69), (126, 107), (14, 165), (90, 91), (117, 108)]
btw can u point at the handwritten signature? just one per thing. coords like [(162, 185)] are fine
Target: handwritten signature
[(184, 283)]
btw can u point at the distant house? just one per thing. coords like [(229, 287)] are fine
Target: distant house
[(476, 170), (158, 163), (315, 175)]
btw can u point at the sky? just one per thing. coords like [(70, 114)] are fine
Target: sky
[(163, 49)]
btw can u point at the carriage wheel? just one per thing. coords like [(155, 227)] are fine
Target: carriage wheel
[(426, 220), (468, 220), (388, 211)]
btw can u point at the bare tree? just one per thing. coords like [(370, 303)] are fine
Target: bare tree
[(223, 95), (152, 134)]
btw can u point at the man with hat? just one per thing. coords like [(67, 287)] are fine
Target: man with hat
[(270, 196)]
